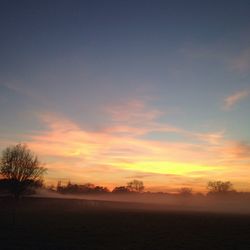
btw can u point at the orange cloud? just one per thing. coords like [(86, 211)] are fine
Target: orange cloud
[(117, 152), (234, 151)]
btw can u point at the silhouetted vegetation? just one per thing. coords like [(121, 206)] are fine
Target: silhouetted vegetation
[(121, 190), (135, 186), (87, 188), (21, 170), (22, 173), (220, 187), (186, 191)]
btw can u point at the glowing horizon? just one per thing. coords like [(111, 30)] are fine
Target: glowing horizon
[(121, 151)]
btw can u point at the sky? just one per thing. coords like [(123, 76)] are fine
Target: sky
[(110, 91)]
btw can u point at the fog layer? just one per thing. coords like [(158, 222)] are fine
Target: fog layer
[(239, 203)]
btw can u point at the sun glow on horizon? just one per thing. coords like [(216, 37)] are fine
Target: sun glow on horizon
[(113, 156)]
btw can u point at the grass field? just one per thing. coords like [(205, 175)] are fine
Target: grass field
[(79, 224)]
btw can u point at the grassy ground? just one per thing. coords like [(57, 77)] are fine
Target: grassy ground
[(74, 224)]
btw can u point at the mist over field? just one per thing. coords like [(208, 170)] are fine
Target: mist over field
[(237, 204), (52, 223)]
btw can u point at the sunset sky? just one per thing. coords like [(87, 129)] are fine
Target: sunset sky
[(110, 91)]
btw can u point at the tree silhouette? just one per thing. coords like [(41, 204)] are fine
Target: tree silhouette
[(87, 188), (135, 186), (21, 170), (185, 191), (219, 187), (121, 190)]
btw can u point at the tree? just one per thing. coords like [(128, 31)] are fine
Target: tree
[(101, 190), (87, 188), (219, 187), (21, 170), (135, 186), (185, 191), (121, 190)]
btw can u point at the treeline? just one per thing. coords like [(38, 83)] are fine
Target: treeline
[(137, 186), (22, 173), (134, 186)]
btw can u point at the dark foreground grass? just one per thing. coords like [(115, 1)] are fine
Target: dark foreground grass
[(75, 224)]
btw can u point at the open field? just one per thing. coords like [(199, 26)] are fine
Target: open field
[(79, 224)]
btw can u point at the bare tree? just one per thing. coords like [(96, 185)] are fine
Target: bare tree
[(185, 191), (121, 190), (135, 186), (20, 169), (220, 187)]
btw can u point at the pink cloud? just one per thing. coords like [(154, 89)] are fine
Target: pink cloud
[(236, 97), (110, 155), (132, 112), (241, 63), (66, 140), (237, 150)]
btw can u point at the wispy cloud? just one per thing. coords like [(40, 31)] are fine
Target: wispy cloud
[(133, 112), (136, 118), (237, 62), (19, 88), (241, 63), (26, 91), (110, 155), (239, 150), (70, 144), (232, 100)]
